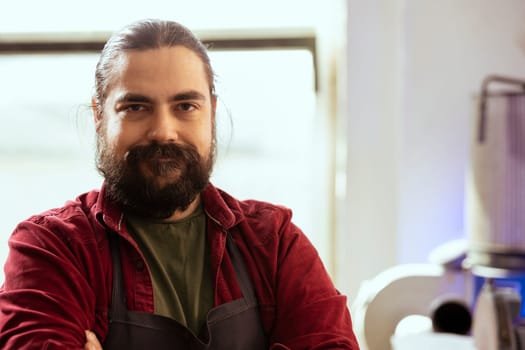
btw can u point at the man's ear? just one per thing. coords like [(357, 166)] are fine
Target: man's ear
[(97, 114)]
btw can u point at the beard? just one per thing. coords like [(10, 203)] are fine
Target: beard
[(155, 180)]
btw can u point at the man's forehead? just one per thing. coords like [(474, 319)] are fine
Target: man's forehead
[(173, 66)]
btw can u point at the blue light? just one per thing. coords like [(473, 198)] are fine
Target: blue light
[(516, 283)]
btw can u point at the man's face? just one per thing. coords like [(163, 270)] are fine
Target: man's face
[(156, 131)]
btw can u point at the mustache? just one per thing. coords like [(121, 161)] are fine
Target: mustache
[(156, 150)]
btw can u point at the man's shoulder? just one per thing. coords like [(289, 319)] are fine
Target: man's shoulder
[(252, 208), (260, 214), (76, 214)]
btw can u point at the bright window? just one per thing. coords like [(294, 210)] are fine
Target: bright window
[(270, 146)]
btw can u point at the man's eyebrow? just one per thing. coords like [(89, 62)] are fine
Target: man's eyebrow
[(188, 95), (131, 97), (182, 96)]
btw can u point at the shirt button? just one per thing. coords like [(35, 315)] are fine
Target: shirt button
[(139, 265)]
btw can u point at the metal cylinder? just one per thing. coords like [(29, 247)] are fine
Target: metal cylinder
[(495, 188)]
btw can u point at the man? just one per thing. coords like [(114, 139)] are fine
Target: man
[(159, 258)]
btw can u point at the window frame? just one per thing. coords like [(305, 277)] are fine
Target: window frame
[(80, 42)]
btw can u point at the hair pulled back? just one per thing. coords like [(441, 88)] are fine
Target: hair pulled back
[(144, 35)]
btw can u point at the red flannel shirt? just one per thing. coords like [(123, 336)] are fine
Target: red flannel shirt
[(58, 275)]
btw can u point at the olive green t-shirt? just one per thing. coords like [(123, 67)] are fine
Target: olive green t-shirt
[(178, 260)]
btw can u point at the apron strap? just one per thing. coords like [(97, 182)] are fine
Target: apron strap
[(243, 278), (118, 297)]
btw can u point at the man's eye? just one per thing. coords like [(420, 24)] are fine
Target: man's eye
[(134, 108), (186, 107)]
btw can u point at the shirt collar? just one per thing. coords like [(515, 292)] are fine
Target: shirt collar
[(218, 205)]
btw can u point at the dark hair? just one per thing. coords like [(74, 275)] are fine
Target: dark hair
[(144, 35)]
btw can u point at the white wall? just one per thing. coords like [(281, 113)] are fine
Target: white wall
[(413, 69)]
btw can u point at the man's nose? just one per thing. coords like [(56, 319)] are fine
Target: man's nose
[(163, 127)]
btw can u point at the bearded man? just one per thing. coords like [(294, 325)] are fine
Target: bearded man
[(159, 258)]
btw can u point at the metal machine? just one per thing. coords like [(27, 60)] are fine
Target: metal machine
[(440, 290), (473, 287), (496, 216)]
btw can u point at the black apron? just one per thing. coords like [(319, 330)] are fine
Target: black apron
[(235, 325)]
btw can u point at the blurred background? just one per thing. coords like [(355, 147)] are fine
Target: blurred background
[(356, 114)]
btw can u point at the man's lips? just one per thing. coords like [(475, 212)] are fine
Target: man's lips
[(163, 159), (165, 166)]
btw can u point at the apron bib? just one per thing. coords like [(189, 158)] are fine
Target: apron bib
[(235, 325)]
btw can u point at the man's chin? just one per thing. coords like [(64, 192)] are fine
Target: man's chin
[(161, 182)]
